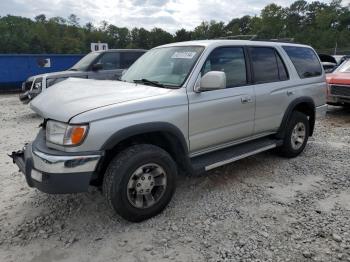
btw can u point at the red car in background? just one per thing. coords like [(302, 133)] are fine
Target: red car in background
[(339, 85)]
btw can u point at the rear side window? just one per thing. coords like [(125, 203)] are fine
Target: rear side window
[(128, 58), (230, 60), (267, 65), (305, 61)]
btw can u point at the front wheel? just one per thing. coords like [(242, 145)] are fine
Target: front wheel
[(140, 182), (297, 135)]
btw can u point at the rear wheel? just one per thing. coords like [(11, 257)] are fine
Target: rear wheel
[(296, 137), (140, 182)]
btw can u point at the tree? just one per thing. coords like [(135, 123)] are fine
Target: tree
[(73, 20), (320, 24), (182, 35), (273, 21), (40, 18), (158, 37)]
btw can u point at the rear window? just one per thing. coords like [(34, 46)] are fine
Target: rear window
[(305, 61)]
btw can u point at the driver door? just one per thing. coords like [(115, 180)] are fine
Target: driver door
[(221, 117)]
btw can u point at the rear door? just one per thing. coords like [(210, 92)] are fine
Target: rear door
[(272, 88)]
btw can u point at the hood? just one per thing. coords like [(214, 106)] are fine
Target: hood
[(59, 74), (327, 58), (75, 96), (339, 78)]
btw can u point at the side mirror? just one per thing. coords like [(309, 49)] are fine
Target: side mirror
[(97, 67), (212, 80)]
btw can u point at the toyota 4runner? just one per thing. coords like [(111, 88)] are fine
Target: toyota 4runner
[(181, 108)]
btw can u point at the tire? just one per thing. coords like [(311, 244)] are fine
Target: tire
[(293, 143), (127, 185)]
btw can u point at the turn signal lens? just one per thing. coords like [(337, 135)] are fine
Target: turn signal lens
[(75, 134)]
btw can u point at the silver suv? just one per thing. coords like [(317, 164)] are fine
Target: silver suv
[(181, 108), (95, 65)]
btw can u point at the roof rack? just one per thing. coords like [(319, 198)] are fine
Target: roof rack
[(255, 38), (283, 40), (239, 37)]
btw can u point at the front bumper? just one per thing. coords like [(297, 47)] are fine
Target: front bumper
[(29, 92), (332, 99), (53, 171), (338, 94)]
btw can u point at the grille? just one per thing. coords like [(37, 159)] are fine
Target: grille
[(340, 90)]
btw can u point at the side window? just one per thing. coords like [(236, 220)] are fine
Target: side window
[(230, 60), (267, 65), (110, 61), (128, 58), (305, 61), (282, 70)]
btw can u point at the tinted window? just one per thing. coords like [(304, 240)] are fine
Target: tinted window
[(128, 58), (265, 65), (282, 71), (229, 60), (305, 61), (110, 61)]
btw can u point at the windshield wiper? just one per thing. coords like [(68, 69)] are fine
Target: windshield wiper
[(73, 69), (146, 81)]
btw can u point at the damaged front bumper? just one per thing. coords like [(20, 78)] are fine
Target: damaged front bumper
[(29, 91), (27, 96), (53, 171)]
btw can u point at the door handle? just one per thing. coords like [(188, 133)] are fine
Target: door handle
[(246, 99)]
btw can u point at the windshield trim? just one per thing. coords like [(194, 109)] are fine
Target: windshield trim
[(190, 71)]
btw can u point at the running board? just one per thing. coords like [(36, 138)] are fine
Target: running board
[(231, 154)]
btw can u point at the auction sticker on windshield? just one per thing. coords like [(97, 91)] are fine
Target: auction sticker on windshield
[(184, 55)]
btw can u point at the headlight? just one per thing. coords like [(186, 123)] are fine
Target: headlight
[(64, 134)]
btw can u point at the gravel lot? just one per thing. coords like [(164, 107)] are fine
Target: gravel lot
[(263, 208)]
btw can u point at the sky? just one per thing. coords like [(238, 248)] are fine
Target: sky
[(170, 15)]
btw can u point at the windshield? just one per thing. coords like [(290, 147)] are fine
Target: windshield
[(167, 66), (85, 62), (344, 67)]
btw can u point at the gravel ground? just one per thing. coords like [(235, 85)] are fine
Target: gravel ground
[(263, 208)]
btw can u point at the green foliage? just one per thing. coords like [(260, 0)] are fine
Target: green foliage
[(319, 24)]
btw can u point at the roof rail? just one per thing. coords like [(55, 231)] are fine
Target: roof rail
[(255, 38), (282, 40), (239, 37)]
